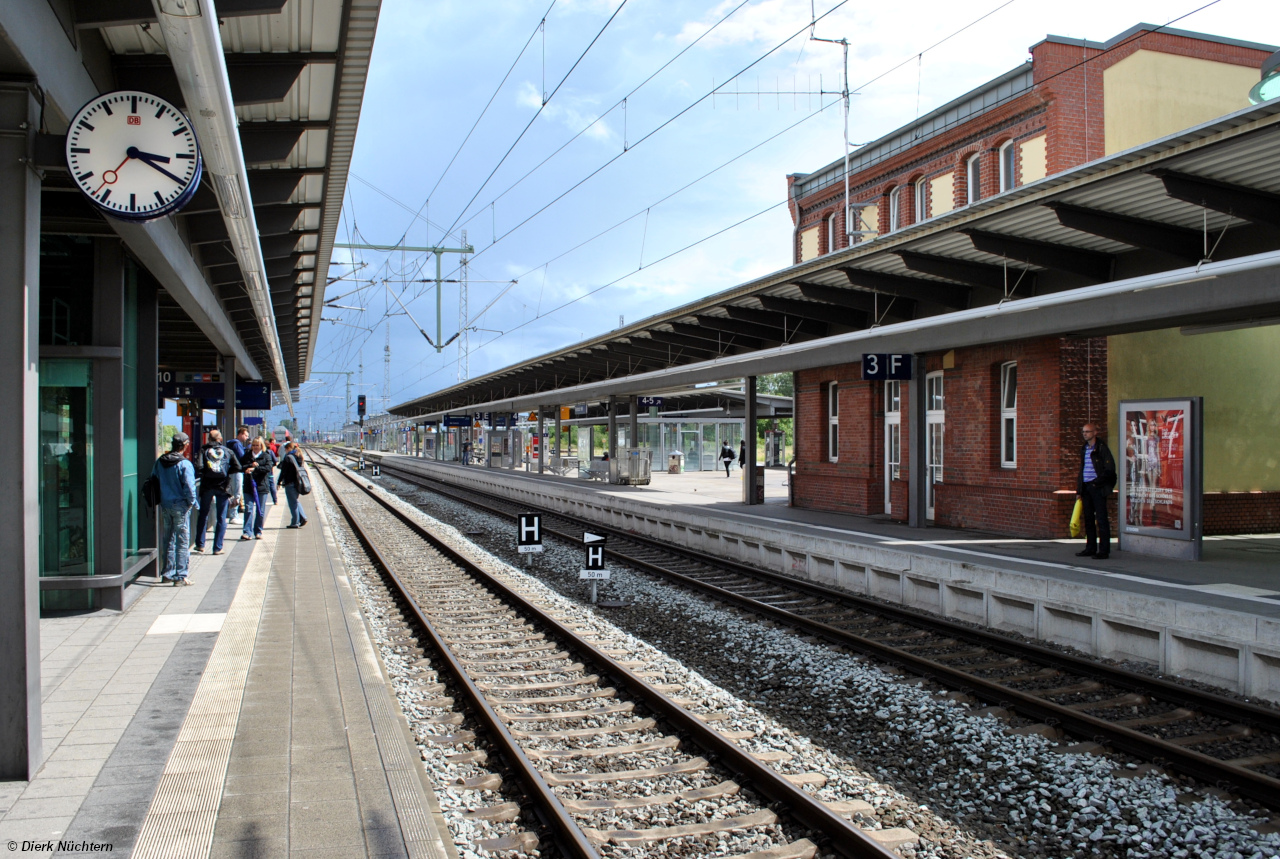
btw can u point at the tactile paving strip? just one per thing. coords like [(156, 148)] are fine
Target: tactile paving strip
[(181, 819)]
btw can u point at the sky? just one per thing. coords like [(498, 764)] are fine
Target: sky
[(585, 210)]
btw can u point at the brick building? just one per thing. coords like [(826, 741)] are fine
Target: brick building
[(1004, 420)]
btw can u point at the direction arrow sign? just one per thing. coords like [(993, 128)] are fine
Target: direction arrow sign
[(588, 538)]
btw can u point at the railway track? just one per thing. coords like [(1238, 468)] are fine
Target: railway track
[(596, 743), (1217, 740)]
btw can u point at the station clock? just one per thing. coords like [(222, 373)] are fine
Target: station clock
[(134, 155)]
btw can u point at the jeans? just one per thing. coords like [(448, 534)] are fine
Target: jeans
[(254, 516), (1097, 530), (271, 484), (175, 552), (237, 484), (210, 501), (296, 516)]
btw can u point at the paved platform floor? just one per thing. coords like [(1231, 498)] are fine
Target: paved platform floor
[(244, 715), (1238, 573)]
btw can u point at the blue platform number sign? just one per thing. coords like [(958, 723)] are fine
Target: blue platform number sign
[(649, 402), (880, 365)]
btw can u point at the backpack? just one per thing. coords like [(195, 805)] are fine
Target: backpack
[(304, 481), (151, 491), (216, 460)]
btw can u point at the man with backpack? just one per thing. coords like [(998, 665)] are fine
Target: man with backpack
[(177, 479), (217, 465)]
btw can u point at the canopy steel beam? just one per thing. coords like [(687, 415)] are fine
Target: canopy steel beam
[(1088, 264), (699, 341), (789, 327), (857, 299), (1150, 235), (671, 347), (995, 278), (1260, 207), (817, 311), (945, 294), (768, 333), (720, 340), (93, 14)]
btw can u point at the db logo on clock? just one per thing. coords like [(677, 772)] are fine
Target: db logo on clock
[(134, 120)]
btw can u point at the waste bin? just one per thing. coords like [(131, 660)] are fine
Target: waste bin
[(675, 462)]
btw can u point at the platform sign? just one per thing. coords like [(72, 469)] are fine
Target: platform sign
[(457, 421), (528, 533), (580, 410), (593, 575), (649, 402), (881, 365)]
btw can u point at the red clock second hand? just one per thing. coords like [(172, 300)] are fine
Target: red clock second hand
[(114, 174)]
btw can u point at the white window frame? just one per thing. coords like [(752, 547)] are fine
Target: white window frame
[(935, 429), (1008, 166), (973, 178), (833, 422), (1008, 415), (895, 209), (831, 232), (922, 199), (892, 440)]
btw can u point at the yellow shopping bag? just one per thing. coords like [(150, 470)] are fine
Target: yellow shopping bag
[(1077, 526)]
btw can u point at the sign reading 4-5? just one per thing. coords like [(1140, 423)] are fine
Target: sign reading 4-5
[(134, 155)]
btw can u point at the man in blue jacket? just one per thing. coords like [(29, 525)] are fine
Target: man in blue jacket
[(177, 478)]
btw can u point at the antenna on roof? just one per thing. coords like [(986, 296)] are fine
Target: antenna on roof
[(849, 228)]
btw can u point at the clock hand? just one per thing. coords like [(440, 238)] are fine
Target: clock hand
[(156, 166), (113, 173), (134, 152)]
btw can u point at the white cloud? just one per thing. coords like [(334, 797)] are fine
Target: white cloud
[(572, 112)]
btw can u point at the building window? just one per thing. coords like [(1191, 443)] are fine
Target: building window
[(1007, 176), (973, 173), (1009, 415), (922, 200), (831, 232), (833, 422), (892, 430), (895, 209)]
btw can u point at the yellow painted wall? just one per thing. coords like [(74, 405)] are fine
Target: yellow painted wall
[(942, 194), (1035, 160), (1235, 372), (809, 243), (870, 222), (1149, 94)]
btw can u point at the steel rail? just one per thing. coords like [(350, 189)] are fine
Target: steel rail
[(846, 839), (570, 836), (1256, 786)]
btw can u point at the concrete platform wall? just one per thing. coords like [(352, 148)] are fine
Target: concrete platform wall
[(1231, 649)]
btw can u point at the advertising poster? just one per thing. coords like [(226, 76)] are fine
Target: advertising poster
[(1154, 470)]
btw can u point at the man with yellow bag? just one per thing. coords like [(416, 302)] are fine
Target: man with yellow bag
[(1097, 479)]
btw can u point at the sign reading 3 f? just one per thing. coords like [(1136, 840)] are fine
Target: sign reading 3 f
[(528, 533)]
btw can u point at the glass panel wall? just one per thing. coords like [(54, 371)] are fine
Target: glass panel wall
[(130, 464), (66, 479)]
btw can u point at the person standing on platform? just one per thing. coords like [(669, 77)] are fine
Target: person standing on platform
[(272, 460), (254, 463), (742, 454), (289, 466), (177, 477), (240, 446), (727, 457), (1097, 479), (217, 465)]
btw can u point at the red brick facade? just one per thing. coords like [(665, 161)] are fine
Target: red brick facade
[(1062, 383)]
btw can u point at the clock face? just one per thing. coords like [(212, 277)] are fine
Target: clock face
[(134, 155)]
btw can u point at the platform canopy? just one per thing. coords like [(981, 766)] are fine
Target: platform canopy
[(1205, 196), (296, 71)]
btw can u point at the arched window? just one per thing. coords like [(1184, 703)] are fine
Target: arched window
[(973, 174), (922, 200), (895, 209), (1007, 176)]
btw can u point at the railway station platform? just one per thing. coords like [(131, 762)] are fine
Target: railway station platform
[(1216, 620), (243, 715)]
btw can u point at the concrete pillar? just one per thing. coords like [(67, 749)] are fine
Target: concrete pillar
[(558, 430), (19, 436), (750, 483), (108, 419), (227, 417), (147, 334), (541, 442), (633, 432), (918, 444)]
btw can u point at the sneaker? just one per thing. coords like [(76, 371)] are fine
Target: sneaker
[(217, 551), (245, 537), (292, 527), (198, 549), (1087, 553), (304, 521)]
